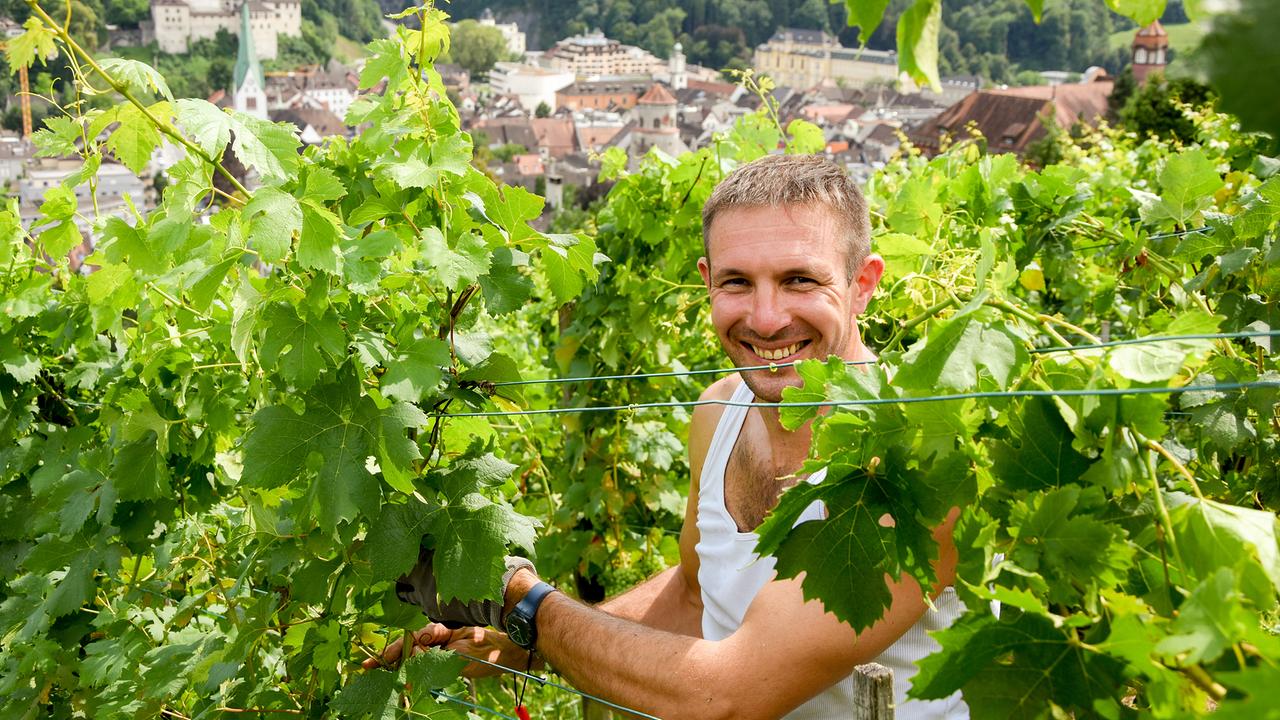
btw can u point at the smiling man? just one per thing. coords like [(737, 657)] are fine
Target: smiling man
[(788, 269)]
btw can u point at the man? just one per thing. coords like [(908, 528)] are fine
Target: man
[(788, 269)]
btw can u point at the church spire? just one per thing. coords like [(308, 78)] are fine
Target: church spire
[(248, 86), (247, 58)]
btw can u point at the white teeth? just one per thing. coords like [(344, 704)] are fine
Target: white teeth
[(778, 354)]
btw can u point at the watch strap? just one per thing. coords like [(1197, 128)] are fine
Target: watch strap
[(527, 609)]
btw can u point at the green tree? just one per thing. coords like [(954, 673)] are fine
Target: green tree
[(543, 110), (127, 13), (1153, 109), (476, 47)]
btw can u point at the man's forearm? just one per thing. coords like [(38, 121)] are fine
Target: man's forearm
[(662, 673), (663, 602)]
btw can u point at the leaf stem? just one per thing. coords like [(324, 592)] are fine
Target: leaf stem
[(1177, 465), (909, 325)]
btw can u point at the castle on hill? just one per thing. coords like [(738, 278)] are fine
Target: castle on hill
[(178, 22)]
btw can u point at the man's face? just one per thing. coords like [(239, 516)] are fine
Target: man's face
[(780, 292)]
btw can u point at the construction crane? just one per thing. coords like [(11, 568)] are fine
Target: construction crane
[(24, 101)]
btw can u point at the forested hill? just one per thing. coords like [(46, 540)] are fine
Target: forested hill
[(991, 38)]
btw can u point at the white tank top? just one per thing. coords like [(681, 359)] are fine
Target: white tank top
[(731, 573)]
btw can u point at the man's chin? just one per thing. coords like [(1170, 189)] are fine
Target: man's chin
[(767, 385)]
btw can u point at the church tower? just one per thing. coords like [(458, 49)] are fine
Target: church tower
[(655, 117), (1150, 51), (675, 67), (248, 87)]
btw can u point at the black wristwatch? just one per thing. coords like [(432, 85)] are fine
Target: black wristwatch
[(520, 623)]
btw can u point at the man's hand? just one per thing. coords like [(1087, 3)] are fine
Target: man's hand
[(473, 642), (419, 588), (433, 635), (490, 646)]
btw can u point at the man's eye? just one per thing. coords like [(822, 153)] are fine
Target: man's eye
[(801, 280), (734, 282)]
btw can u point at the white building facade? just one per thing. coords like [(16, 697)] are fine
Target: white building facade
[(178, 22), (529, 84)]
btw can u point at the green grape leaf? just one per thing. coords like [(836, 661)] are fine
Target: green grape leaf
[(416, 369), (319, 238), (136, 137), (58, 137), (140, 471), (458, 266), (23, 367), (76, 587), (918, 30), (412, 170), (270, 148), (1260, 214), (1016, 667), (433, 669), (568, 261), (965, 354), (1043, 456), (506, 289), (206, 284), (902, 253), (1143, 12), (59, 203), (140, 77), (452, 154), (323, 186), (1211, 620), (1259, 684), (866, 15), (299, 344), (339, 425), (1057, 539), (393, 540), (36, 43), (206, 123), (385, 61), (806, 138), (273, 216), (369, 694), (1187, 184), (848, 543), (471, 534), (1160, 361), (61, 238), (1213, 535)]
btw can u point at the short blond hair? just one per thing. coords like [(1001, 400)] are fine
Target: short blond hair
[(780, 180)]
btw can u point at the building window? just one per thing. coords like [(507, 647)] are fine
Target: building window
[(1140, 56)]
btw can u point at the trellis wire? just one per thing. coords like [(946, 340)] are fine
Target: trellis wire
[(544, 681), (992, 394), (1150, 339), (473, 706)]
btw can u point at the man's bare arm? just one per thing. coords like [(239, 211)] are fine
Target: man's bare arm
[(786, 651)]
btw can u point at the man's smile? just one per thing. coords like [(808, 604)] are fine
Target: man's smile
[(779, 353)]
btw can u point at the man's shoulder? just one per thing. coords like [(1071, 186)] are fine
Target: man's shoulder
[(706, 417), (721, 389)]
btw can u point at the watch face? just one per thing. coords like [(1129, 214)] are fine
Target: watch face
[(519, 631)]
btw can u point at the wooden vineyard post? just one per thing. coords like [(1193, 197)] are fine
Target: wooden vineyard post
[(872, 692)]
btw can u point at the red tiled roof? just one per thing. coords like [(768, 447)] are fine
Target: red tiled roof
[(555, 134), (657, 95), (1152, 36)]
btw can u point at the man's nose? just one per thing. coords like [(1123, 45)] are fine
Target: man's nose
[(769, 314)]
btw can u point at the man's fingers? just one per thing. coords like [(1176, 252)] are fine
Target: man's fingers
[(429, 636)]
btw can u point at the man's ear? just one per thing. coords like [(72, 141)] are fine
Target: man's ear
[(704, 269), (865, 281)]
